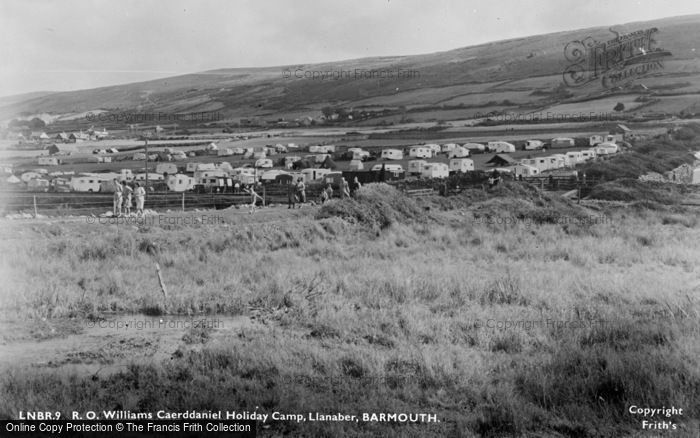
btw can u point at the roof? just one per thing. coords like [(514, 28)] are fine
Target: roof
[(502, 158)]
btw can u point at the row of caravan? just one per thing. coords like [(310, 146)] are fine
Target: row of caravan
[(535, 166)]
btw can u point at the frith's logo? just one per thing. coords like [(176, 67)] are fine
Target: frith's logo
[(614, 62)]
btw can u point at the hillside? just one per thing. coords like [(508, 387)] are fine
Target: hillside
[(513, 74)]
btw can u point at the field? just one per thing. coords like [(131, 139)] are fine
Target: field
[(504, 313)]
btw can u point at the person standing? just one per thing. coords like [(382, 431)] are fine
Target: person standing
[(118, 192), (128, 192), (291, 195), (356, 184), (329, 192), (345, 189), (301, 191), (140, 193)]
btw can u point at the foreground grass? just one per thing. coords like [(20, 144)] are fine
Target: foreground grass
[(379, 305)]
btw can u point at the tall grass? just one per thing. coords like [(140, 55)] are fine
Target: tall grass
[(378, 305)]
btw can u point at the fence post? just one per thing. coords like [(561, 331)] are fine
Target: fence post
[(264, 203), (35, 213), (183, 201)]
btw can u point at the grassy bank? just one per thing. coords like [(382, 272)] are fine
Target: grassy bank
[(509, 313)]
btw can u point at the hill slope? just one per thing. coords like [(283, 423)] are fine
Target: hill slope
[(472, 76)]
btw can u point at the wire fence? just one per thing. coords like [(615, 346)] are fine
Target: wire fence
[(81, 203)]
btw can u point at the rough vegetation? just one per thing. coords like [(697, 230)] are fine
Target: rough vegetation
[(380, 305)]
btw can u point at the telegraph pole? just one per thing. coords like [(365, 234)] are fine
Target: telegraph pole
[(146, 183)]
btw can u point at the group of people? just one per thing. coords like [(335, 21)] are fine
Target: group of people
[(297, 192), (123, 195)]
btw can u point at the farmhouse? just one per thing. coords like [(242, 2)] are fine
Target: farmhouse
[(420, 152), (416, 166), (78, 137), (435, 170), (392, 154), (502, 160), (622, 130), (461, 165), (39, 136)]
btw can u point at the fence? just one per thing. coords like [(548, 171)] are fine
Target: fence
[(73, 203)]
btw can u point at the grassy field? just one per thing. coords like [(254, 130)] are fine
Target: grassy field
[(505, 313)]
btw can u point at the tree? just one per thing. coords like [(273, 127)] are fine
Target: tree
[(327, 111), (619, 107)]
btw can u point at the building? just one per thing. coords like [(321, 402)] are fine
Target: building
[(502, 160)]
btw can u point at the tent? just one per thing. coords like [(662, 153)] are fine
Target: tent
[(328, 163), (356, 165), (13, 179), (502, 160), (53, 149), (302, 164)]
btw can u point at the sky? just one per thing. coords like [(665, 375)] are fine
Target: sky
[(79, 44)]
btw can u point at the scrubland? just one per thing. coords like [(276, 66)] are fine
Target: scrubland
[(505, 312)]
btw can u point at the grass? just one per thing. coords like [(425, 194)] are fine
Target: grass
[(377, 304)]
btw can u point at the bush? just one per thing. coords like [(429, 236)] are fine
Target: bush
[(377, 205)]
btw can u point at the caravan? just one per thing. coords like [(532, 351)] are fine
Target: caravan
[(169, 168), (434, 148), (392, 154), (563, 142), (500, 147), (435, 170), (574, 157), (415, 167), (312, 174), (525, 170), (85, 183), (461, 165), (458, 152), (180, 183), (448, 147), (474, 148), (531, 145), (420, 152)]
